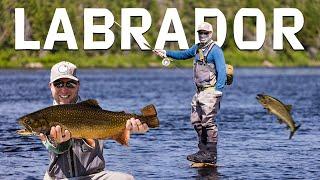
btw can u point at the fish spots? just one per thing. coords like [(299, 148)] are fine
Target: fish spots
[(85, 121)]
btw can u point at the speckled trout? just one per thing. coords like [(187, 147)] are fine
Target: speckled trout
[(86, 120), (279, 109)]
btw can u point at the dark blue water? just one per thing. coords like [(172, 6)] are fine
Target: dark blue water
[(252, 145)]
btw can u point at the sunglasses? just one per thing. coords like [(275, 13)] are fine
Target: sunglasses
[(69, 84), (205, 33)]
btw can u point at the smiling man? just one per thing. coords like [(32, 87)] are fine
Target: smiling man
[(77, 158), (64, 84)]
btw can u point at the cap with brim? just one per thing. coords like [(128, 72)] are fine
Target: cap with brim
[(205, 27), (64, 76), (63, 69)]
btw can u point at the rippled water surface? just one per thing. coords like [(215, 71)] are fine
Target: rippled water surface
[(252, 145)]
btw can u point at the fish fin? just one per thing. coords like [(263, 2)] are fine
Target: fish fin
[(151, 121), (149, 114), (288, 107), (90, 103), (268, 110), (123, 137), (149, 110), (295, 129)]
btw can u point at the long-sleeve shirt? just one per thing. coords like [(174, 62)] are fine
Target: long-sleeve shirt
[(215, 56)]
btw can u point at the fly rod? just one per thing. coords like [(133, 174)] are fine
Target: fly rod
[(165, 61)]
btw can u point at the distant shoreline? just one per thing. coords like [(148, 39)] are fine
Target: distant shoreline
[(26, 60), (160, 67)]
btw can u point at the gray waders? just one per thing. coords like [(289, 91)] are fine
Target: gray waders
[(204, 108)]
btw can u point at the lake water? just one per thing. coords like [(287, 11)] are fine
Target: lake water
[(252, 144)]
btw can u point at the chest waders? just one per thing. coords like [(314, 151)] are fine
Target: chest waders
[(204, 74), (205, 105)]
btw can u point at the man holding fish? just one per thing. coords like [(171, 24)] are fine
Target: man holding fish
[(71, 157)]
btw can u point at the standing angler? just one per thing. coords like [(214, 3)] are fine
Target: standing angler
[(209, 77)]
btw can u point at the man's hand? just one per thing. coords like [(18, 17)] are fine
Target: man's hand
[(57, 135), (160, 52), (135, 126)]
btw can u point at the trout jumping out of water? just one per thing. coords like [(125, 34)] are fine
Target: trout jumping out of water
[(282, 111), (86, 120)]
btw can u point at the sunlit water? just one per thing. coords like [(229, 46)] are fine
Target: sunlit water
[(252, 144)]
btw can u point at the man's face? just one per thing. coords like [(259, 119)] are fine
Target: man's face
[(64, 90), (204, 36)]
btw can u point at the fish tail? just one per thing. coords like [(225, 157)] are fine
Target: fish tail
[(153, 122), (150, 115), (294, 130)]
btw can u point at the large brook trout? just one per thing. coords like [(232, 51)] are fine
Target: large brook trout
[(86, 120)]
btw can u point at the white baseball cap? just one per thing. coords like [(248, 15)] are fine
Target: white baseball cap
[(205, 27), (63, 69)]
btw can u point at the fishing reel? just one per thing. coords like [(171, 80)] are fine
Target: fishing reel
[(166, 61)]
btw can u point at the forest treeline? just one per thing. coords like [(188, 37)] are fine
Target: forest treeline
[(39, 13)]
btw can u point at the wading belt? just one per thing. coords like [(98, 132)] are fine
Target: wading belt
[(205, 88)]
